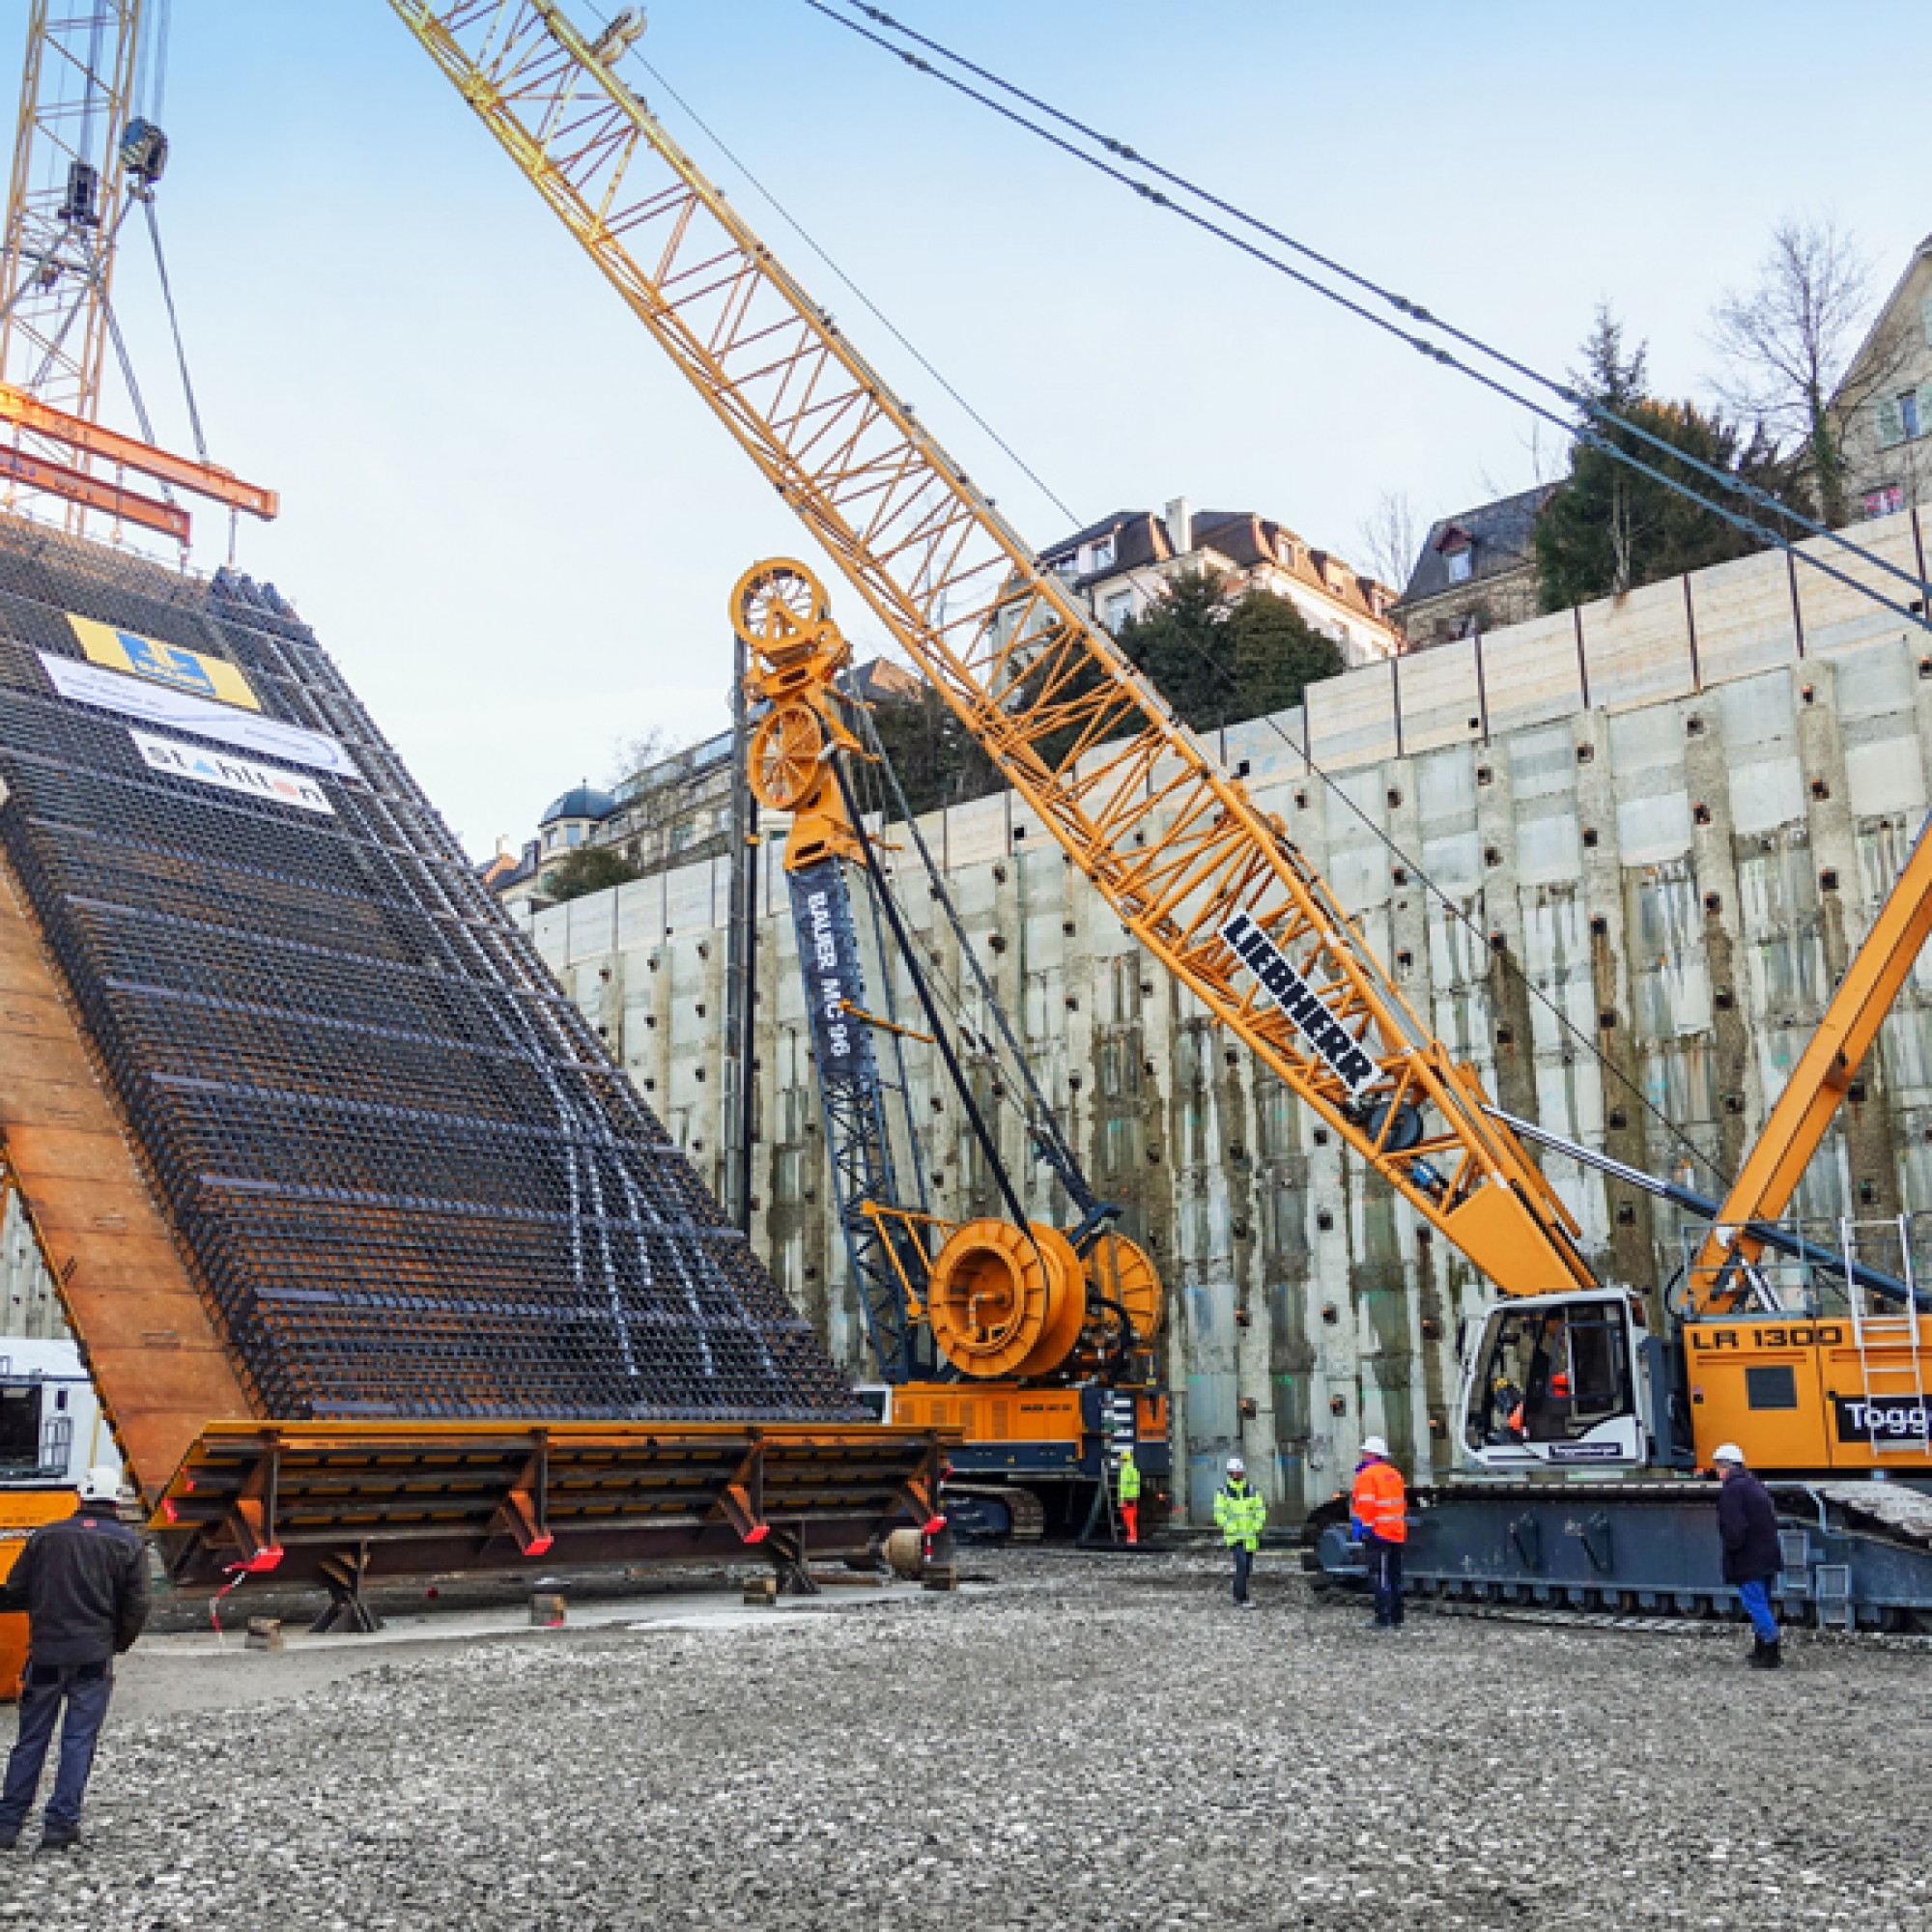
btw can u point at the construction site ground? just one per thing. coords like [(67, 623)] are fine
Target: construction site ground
[(1070, 1741)]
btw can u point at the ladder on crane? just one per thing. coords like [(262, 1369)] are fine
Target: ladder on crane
[(1894, 1415)]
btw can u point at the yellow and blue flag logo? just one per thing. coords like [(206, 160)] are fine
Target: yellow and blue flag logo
[(163, 664)]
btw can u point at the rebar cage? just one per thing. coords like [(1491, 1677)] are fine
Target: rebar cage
[(407, 1177)]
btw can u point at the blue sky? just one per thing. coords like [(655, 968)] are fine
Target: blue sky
[(517, 528)]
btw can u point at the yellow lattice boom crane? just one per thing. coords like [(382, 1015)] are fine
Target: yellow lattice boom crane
[(1566, 1375)]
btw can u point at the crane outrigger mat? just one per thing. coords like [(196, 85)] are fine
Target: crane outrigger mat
[(404, 1175)]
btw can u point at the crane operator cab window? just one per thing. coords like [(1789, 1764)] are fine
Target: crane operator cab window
[(1553, 1381), (19, 1429)]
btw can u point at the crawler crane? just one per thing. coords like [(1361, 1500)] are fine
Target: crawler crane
[(1210, 883)]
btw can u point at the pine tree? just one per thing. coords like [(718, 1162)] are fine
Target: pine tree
[(1611, 529)]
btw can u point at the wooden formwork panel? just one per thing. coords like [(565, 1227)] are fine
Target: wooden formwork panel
[(159, 1367)]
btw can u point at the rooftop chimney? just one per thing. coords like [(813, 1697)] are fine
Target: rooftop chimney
[(1180, 525)]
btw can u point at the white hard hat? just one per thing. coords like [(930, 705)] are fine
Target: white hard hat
[(1236, 1467), (1374, 1445), (100, 1485), (1729, 1452)]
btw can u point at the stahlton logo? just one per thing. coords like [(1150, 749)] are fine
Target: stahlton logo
[(1294, 995)]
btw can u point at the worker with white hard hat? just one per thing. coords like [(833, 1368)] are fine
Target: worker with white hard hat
[(83, 1583), (1747, 1524), (1379, 1509), (1240, 1512)]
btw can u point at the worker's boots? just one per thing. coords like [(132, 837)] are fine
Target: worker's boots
[(1766, 1655)]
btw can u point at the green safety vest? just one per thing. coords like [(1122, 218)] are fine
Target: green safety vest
[(1240, 1513), (1130, 1480)]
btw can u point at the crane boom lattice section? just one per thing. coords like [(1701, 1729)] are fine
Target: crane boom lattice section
[(1194, 869), (64, 203)]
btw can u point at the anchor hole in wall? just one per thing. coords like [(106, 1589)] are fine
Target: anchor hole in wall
[(1713, 903), (1590, 838), (1820, 789), (1828, 879), (1700, 813), (1485, 776), (1586, 753), (1694, 727), (1338, 1404)]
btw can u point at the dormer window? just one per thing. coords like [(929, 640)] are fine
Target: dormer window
[(1102, 557), (1067, 565), (1458, 550)]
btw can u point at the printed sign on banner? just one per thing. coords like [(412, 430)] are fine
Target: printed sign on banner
[(164, 663), (217, 768), (152, 704)]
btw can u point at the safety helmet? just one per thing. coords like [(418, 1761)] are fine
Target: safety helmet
[(1236, 1467), (1729, 1452), (1374, 1445), (100, 1485)]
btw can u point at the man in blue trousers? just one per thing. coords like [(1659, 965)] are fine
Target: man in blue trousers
[(83, 1583), (1747, 1524)]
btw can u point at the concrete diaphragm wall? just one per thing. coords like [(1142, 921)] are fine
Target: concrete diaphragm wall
[(1671, 814)]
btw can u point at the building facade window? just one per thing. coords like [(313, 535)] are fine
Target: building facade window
[(1103, 554), (1462, 564), (1899, 417), (1118, 609)]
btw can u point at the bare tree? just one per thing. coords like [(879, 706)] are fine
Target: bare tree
[(1389, 540), (1788, 342), (635, 752)]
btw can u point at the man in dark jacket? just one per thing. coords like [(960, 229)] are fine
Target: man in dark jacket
[(1748, 1524), (83, 1583)]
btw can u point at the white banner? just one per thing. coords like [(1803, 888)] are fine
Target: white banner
[(217, 768), (183, 711)]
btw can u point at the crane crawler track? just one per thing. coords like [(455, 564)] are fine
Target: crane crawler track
[(1859, 1554)]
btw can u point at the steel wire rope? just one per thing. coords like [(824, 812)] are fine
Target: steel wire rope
[(1015, 1052), (174, 325), (1587, 434), (1403, 305), (871, 307)]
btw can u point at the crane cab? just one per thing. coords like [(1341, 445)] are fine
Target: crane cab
[(1556, 1381)]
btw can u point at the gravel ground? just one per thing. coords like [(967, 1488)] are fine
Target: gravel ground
[(1078, 1741)]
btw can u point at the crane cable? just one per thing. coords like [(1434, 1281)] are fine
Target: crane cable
[(1588, 433)]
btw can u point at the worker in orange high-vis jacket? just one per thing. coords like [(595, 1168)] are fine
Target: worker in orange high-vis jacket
[(1379, 1513)]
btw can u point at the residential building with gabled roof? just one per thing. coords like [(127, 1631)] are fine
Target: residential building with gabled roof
[(1121, 564), (1884, 403), (1476, 571)]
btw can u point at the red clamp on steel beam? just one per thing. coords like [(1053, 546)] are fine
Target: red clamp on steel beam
[(537, 1544), (934, 1525), (757, 1532), (261, 1562), (170, 1509)]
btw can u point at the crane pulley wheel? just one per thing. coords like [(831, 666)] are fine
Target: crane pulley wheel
[(1119, 1271), (1006, 1300), (787, 751), (779, 603)]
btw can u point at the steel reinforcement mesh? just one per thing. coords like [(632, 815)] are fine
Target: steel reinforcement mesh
[(403, 1168)]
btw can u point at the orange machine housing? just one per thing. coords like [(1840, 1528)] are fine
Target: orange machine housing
[(1799, 1392), (21, 1513)]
